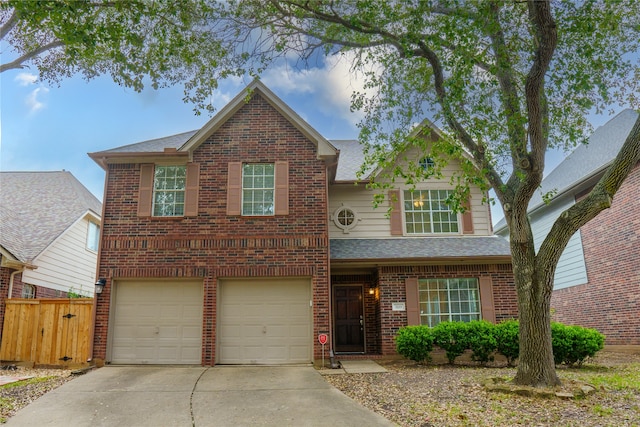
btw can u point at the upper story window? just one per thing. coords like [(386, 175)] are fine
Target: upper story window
[(444, 300), (28, 291), (426, 163), (426, 212), (345, 218), (169, 184), (258, 189), (93, 236)]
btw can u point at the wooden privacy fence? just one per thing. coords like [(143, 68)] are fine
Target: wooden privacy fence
[(47, 331)]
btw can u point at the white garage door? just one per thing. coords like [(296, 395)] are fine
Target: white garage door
[(157, 322), (264, 321)]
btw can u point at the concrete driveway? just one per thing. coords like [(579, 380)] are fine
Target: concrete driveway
[(197, 397)]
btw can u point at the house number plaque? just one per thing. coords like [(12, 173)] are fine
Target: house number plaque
[(398, 306)]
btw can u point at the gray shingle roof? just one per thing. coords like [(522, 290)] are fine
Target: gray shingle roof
[(586, 160), (350, 160), (155, 145), (36, 207), (418, 248)]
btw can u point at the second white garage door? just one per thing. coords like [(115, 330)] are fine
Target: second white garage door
[(264, 321), (157, 322)]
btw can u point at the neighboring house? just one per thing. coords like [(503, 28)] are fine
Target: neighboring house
[(243, 241), (597, 281), (49, 231)]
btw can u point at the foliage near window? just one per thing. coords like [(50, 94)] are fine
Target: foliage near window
[(426, 163), (443, 300), (169, 184), (93, 236), (572, 345), (426, 211), (415, 343), (258, 188)]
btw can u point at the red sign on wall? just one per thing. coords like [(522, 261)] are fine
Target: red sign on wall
[(323, 338)]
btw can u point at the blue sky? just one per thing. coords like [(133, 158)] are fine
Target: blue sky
[(47, 127)]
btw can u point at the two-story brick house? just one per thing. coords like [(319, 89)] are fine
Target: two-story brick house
[(241, 242)]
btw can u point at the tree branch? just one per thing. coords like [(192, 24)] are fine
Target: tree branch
[(596, 201), (18, 62), (545, 38), (9, 24)]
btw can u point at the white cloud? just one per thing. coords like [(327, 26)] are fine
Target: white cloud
[(331, 86), (33, 102), (26, 79)]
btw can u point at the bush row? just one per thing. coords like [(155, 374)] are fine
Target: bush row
[(572, 345)]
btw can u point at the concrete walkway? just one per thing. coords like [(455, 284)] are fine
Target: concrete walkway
[(197, 397)]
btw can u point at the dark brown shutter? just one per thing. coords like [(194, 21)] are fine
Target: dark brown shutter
[(413, 305), (467, 218), (396, 213), (145, 192), (234, 189), (192, 190), (486, 299), (282, 188)]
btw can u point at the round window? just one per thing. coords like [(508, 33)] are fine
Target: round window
[(345, 218)]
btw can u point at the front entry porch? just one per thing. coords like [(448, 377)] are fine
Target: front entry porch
[(355, 314)]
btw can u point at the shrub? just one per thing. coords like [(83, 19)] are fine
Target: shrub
[(481, 340), (415, 343), (572, 345), (508, 339), (452, 337)]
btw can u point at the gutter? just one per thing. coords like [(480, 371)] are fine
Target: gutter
[(19, 269)]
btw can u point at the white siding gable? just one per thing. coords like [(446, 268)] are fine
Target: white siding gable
[(571, 269), (67, 263), (374, 223)]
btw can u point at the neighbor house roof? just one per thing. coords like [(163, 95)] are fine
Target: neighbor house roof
[(419, 249), (586, 161), (37, 207)]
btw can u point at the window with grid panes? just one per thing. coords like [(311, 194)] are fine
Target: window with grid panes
[(169, 184), (427, 212), (448, 300), (258, 189)]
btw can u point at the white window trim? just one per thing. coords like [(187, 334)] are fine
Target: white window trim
[(97, 236), (154, 190), (28, 295), (404, 216), (273, 190), (478, 302)]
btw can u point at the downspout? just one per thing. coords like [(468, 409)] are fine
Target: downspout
[(11, 277)]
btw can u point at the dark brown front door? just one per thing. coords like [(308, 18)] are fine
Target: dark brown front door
[(348, 319)]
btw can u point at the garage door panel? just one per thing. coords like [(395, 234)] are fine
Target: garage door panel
[(157, 323), (264, 321)]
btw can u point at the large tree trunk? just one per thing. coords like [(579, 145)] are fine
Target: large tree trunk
[(534, 284), (535, 365)]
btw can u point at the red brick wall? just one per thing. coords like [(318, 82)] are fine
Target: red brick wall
[(392, 289), (610, 301), (214, 245), (5, 274)]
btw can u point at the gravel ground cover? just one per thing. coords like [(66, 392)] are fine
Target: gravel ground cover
[(15, 396), (442, 395)]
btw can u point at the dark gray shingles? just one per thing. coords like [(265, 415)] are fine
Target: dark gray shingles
[(36, 207), (586, 160), (350, 160), (418, 248), (155, 145)]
